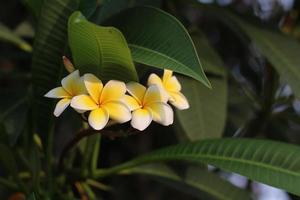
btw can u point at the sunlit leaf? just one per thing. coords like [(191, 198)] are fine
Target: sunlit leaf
[(102, 51)]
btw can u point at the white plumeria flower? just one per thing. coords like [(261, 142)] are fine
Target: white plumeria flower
[(147, 105), (104, 102), (72, 85), (172, 88)]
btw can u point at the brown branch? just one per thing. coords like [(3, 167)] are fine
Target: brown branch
[(88, 132), (80, 135)]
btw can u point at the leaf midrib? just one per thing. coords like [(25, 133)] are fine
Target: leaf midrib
[(253, 163), (166, 56)]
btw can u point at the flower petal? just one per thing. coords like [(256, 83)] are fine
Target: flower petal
[(79, 87), (179, 101), (98, 118), (113, 91), (136, 90), (162, 113), (93, 85), (69, 82), (172, 85), (61, 106), (118, 111), (131, 103), (167, 75), (83, 102), (141, 119), (58, 92), (154, 94), (154, 80)]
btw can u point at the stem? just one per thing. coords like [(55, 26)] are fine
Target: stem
[(88, 151), (8, 184), (95, 155), (81, 134), (49, 162)]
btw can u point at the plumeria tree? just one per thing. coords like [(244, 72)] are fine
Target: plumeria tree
[(184, 93)]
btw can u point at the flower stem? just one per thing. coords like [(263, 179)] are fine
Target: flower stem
[(81, 134)]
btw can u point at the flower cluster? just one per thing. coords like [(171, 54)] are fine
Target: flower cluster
[(118, 101)]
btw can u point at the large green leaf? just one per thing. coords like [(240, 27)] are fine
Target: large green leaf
[(111, 7), (9, 36), (158, 39), (7, 159), (87, 7), (34, 5), (270, 162), (198, 182), (102, 51), (280, 50), (207, 113), (13, 112), (49, 46), (14, 118)]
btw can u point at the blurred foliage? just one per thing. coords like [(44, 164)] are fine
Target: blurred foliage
[(248, 51)]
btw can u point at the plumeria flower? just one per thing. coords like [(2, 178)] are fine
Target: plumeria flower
[(104, 102), (72, 85), (172, 88), (147, 105)]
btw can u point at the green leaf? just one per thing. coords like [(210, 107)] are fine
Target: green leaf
[(281, 51), (198, 182), (207, 113), (32, 196), (87, 7), (13, 112), (47, 67), (9, 36), (14, 118), (35, 6), (102, 51), (158, 39), (273, 163), (109, 8), (7, 159)]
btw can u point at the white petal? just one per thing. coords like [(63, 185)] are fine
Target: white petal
[(141, 119), (58, 92), (167, 75), (154, 94), (131, 102), (154, 80), (83, 102), (69, 83), (172, 84), (162, 113), (61, 106), (93, 85), (117, 111), (113, 91), (179, 101), (98, 118), (136, 90)]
